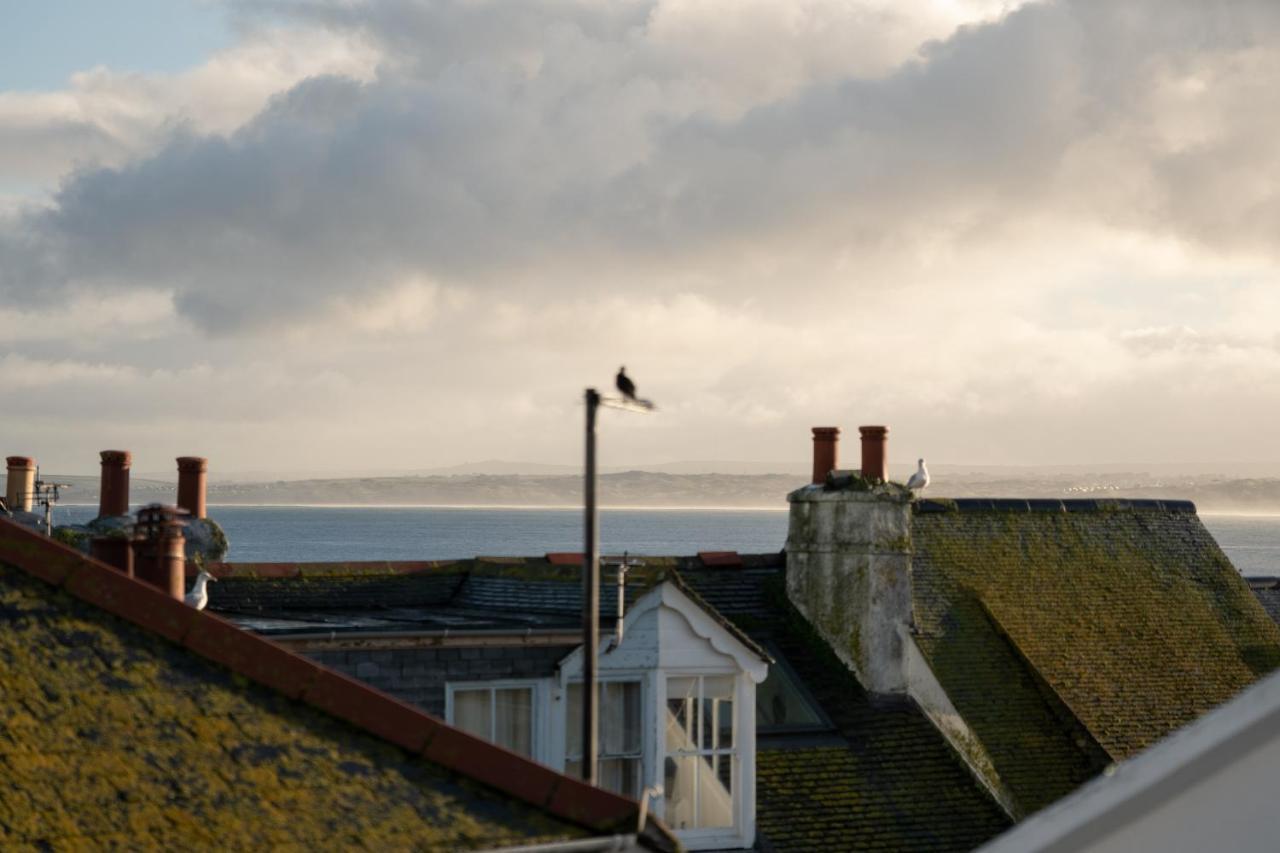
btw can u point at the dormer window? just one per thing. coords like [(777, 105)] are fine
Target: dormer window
[(677, 711), (702, 760)]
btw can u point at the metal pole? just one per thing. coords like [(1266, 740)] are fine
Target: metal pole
[(590, 601)]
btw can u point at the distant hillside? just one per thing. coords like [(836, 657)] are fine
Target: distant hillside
[(648, 488)]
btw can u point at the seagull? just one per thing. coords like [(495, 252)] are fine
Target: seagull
[(625, 385), (199, 595), (920, 479)]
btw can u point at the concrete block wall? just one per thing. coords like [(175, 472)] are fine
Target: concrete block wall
[(419, 675)]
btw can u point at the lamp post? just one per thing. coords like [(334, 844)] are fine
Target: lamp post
[(591, 581)]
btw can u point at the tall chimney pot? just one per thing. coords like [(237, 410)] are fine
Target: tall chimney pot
[(191, 484), (113, 498), (162, 560), (826, 441), (115, 551), (20, 488), (875, 456)]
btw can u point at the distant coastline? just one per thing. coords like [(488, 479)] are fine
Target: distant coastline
[(646, 490)]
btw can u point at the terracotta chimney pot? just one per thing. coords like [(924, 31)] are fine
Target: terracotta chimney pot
[(826, 442), (115, 551), (113, 498), (161, 559), (21, 486), (875, 456), (192, 484)]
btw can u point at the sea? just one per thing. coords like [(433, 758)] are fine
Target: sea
[(323, 534)]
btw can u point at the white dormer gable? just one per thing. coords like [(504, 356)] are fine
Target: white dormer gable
[(666, 629), (677, 710)]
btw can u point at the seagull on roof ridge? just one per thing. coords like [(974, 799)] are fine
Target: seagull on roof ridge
[(920, 479), (625, 385), (199, 595)]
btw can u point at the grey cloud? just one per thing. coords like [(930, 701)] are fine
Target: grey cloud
[(502, 143)]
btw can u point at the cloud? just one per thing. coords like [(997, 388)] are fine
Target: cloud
[(546, 145), (990, 225)]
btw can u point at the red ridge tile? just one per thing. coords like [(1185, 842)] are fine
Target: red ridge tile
[(251, 655), (565, 558), (370, 709), (721, 559), (493, 765), (131, 599), (37, 554), (594, 807)]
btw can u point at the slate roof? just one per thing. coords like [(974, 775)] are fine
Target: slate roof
[(128, 719), (1267, 591), (881, 779), (1101, 626)]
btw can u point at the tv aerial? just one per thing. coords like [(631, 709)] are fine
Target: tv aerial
[(46, 495)]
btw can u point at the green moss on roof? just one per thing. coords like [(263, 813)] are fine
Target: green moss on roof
[(1067, 638), (110, 735), (887, 780)]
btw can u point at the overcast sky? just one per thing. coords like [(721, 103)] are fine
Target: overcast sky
[(335, 236)]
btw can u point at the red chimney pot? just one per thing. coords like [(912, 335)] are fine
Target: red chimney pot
[(875, 456), (191, 484), (826, 442), (113, 497)]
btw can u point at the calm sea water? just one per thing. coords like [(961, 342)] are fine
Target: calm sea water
[(304, 534)]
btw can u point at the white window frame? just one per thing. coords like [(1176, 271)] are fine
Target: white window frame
[(540, 741), (744, 754), (647, 719)]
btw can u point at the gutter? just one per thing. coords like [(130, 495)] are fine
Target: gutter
[(584, 845)]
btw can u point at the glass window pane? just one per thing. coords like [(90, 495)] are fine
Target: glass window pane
[(471, 712), (620, 717), (780, 703), (621, 775), (715, 790), (682, 705), (717, 714), (678, 786), (513, 719), (573, 722)]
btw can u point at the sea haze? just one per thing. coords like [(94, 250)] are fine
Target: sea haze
[(319, 534)]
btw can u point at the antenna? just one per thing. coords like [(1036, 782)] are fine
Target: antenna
[(46, 495)]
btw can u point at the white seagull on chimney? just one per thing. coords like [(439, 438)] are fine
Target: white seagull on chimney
[(920, 479), (199, 595)]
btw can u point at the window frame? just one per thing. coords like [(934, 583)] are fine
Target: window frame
[(644, 680), (538, 739)]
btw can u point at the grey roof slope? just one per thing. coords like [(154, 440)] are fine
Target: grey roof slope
[(883, 779)]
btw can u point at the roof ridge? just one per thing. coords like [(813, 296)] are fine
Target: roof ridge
[(299, 678), (1051, 505)]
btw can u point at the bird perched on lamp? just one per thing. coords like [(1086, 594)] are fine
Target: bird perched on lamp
[(625, 386), (920, 479), (199, 595)]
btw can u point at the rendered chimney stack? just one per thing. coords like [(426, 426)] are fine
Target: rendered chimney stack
[(875, 456), (826, 442), (115, 551), (113, 499), (21, 486), (161, 559), (191, 484)]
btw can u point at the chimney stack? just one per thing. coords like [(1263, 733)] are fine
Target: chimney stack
[(826, 442), (113, 498), (875, 457), (115, 551), (191, 484), (162, 560), (21, 487)]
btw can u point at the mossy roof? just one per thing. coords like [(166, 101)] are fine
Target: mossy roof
[(116, 734), (882, 779), (1066, 639)]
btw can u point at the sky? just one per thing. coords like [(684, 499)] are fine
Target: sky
[(336, 236)]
